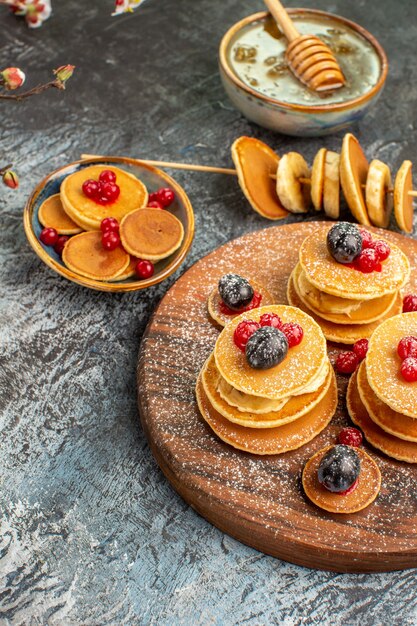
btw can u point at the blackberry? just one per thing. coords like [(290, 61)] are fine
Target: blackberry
[(344, 242), (339, 468), (235, 291), (267, 347)]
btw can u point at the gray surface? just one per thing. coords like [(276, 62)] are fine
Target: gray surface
[(92, 533)]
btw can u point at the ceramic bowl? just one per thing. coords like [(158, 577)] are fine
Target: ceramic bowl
[(294, 119), (153, 178)]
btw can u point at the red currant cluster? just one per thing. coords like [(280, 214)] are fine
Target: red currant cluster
[(161, 199), (50, 237), (410, 303), (348, 361), (245, 329), (407, 351), (104, 190), (374, 251)]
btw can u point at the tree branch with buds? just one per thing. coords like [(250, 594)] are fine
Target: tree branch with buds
[(12, 78)]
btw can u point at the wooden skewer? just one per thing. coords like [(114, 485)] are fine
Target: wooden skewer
[(209, 168)]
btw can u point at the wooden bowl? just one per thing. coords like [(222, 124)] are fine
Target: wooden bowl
[(290, 118), (153, 178)]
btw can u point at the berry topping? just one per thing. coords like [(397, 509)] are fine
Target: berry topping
[(107, 176), (367, 261), (381, 248), (109, 223), (235, 291), (350, 436), (165, 196), (110, 240), (293, 332), (266, 347), (407, 347), (144, 269), (409, 369), (253, 304), (346, 362), (91, 189), (410, 303), (344, 242), (153, 196), (360, 348), (339, 468), (155, 204), (49, 236), (366, 238), (109, 192), (243, 331), (60, 244), (351, 488), (271, 319)]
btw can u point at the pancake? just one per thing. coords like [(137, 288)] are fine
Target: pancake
[(85, 255), (403, 202), (392, 422), (129, 272), (89, 214), (301, 365), (270, 440), (254, 162), (151, 234), (356, 311), (390, 445), (331, 188), (317, 179), (383, 364), (365, 493), (340, 333), (332, 277), (52, 215), (353, 174), (293, 408), (379, 201), (214, 300)]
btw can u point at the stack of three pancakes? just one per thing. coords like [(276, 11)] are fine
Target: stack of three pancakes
[(347, 303), (379, 400), (268, 411)]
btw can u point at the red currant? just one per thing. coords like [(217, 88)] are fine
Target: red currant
[(407, 347), (110, 240), (60, 244), (91, 189), (381, 248), (153, 196), (109, 223), (49, 236), (144, 269), (360, 348), (155, 204), (410, 303), (366, 238), (367, 261), (346, 362), (350, 436), (409, 369), (107, 176), (109, 192), (243, 331), (293, 332), (271, 319), (165, 196)]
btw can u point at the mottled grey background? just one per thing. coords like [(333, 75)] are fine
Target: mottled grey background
[(91, 531)]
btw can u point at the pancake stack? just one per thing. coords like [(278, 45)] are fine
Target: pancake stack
[(379, 400), (268, 411), (347, 303)]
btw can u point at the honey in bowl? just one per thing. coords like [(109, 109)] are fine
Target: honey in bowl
[(257, 56)]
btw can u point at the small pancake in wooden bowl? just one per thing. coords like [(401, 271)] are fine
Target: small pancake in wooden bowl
[(153, 179)]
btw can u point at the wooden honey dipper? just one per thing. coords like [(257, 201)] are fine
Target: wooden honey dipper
[(309, 59)]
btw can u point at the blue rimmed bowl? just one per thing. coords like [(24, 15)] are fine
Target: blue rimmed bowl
[(153, 178)]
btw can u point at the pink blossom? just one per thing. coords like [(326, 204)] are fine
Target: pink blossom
[(125, 6), (10, 179), (12, 78), (64, 73), (34, 11)]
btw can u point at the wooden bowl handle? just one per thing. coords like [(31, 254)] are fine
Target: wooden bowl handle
[(281, 16)]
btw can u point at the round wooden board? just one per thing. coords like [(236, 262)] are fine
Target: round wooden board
[(259, 500)]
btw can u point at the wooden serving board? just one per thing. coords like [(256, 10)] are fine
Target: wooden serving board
[(259, 500)]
